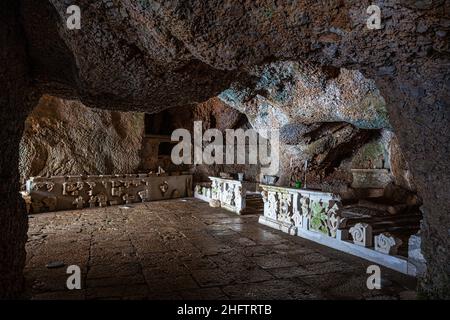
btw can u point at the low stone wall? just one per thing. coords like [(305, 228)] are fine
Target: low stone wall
[(317, 216), (76, 192), (226, 193)]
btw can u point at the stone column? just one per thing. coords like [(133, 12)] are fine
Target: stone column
[(15, 102)]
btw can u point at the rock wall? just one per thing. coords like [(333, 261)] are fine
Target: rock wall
[(17, 98), (328, 118), (64, 137)]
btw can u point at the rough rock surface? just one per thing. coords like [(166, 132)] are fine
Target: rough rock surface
[(16, 100), (149, 55), (63, 137), (216, 114), (288, 93)]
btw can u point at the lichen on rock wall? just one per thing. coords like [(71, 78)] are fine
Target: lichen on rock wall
[(63, 137)]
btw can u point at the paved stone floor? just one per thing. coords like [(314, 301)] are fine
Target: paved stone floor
[(183, 249)]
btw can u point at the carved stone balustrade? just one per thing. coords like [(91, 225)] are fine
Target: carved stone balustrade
[(318, 216), (289, 209), (76, 192)]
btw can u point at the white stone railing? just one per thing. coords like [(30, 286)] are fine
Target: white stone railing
[(290, 209), (77, 192), (317, 216), (228, 193)]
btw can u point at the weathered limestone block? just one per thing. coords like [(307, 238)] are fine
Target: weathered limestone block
[(290, 209), (387, 243), (371, 178), (79, 202)]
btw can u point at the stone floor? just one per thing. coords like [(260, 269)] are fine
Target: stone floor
[(183, 249)]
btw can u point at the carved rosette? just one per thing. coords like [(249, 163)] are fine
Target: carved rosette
[(362, 234), (132, 183), (37, 186), (387, 243), (297, 220), (41, 185)]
